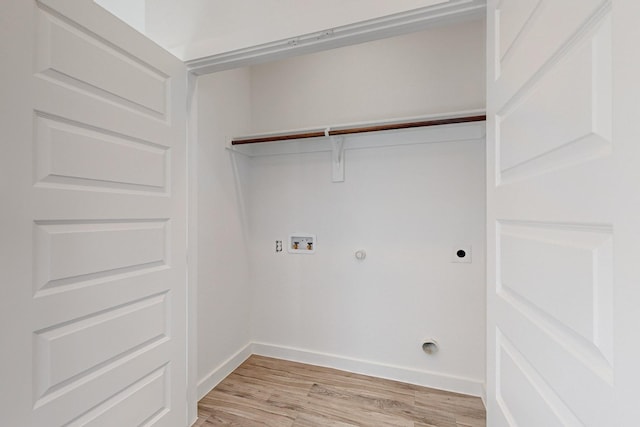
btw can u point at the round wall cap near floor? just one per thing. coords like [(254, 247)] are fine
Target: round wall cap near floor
[(430, 347)]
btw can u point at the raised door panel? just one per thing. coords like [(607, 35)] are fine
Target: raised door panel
[(74, 155), (571, 109), (105, 69)]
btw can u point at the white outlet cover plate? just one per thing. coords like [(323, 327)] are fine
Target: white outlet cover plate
[(464, 259)]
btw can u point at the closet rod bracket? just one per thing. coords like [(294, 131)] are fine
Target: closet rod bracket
[(337, 157)]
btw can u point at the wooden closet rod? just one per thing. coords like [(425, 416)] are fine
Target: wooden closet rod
[(362, 129)]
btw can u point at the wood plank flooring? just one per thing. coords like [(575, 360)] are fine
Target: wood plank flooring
[(272, 392)]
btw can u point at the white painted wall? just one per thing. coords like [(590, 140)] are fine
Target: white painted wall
[(223, 270), (433, 71), (406, 206), (133, 12)]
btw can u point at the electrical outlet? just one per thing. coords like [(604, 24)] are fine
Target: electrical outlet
[(278, 245), (461, 254)]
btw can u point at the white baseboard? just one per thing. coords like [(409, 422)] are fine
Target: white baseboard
[(483, 396), (214, 377), (412, 376), (422, 378)]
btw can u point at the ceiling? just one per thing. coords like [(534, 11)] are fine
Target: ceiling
[(192, 29)]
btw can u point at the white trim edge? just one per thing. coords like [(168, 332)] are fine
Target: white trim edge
[(192, 248), (214, 377), (484, 395), (435, 380)]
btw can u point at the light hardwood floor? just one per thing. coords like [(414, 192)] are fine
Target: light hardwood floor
[(272, 392)]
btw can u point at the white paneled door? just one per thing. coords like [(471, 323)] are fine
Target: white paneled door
[(93, 221), (563, 213)]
